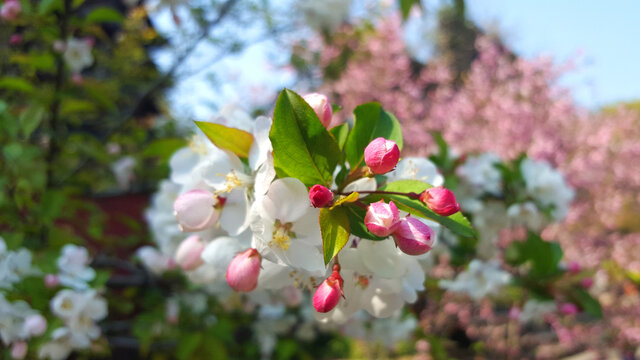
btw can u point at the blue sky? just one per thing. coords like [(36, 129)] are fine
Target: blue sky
[(607, 33)]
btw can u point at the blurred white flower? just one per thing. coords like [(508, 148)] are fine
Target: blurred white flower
[(481, 175), (123, 171), (77, 54), (479, 280), (74, 269), (534, 311), (415, 168), (547, 186)]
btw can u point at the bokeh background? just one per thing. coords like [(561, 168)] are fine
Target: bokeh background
[(97, 95)]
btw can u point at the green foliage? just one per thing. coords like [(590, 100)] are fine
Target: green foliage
[(335, 229), (235, 140), (544, 256), (302, 147), (371, 122)]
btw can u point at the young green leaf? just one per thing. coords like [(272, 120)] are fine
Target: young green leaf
[(335, 229), (302, 146), (456, 222), (371, 121), (590, 305), (340, 133), (346, 199), (235, 140)]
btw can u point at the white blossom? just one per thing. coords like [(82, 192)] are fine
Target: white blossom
[(480, 174), (77, 54), (479, 280), (73, 267), (547, 186)]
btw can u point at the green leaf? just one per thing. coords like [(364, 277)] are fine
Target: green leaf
[(15, 83), (371, 122), (406, 6), (340, 133), (30, 119), (335, 229), (302, 147), (456, 222), (104, 15), (588, 303), (163, 148), (47, 6), (188, 344), (346, 199), (227, 138), (356, 216), (544, 255)]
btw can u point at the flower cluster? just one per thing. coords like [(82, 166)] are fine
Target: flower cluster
[(231, 220)]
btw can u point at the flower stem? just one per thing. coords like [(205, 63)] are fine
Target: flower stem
[(411, 195)]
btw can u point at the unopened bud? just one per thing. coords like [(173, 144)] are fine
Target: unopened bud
[(586, 282), (243, 271), (19, 350), (35, 325), (381, 155), (382, 219), (51, 281), (320, 196), (328, 294), (440, 200), (10, 10), (188, 255), (15, 39), (196, 210), (574, 267), (320, 104), (413, 237), (568, 309)]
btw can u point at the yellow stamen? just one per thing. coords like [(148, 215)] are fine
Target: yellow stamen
[(281, 238)]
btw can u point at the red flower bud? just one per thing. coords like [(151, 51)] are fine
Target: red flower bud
[(243, 271), (413, 237), (569, 309), (381, 155), (320, 196), (440, 200), (328, 294)]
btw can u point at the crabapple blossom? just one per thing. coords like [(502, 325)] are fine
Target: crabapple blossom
[(569, 309), (188, 254), (382, 219), (413, 236), (155, 260), (73, 266), (10, 10), (381, 155), (440, 200), (35, 324), (416, 168), (320, 196), (77, 54), (479, 280), (196, 210), (51, 280), (244, 269), (321, 106)]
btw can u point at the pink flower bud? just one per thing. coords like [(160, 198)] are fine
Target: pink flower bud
[(320, 196), (382, 219), (381, 155), (35, 325), (51, 281), (586, 282), (59, 46), (574, 267), (568, 309), (320, 104), (514, 313), (15, 39), (10, 10), (196, 210), (77, 79), (172, 312), (328, 294), (188, 255), (19, 350), (413, 236), (440, 200), (243, 271)]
